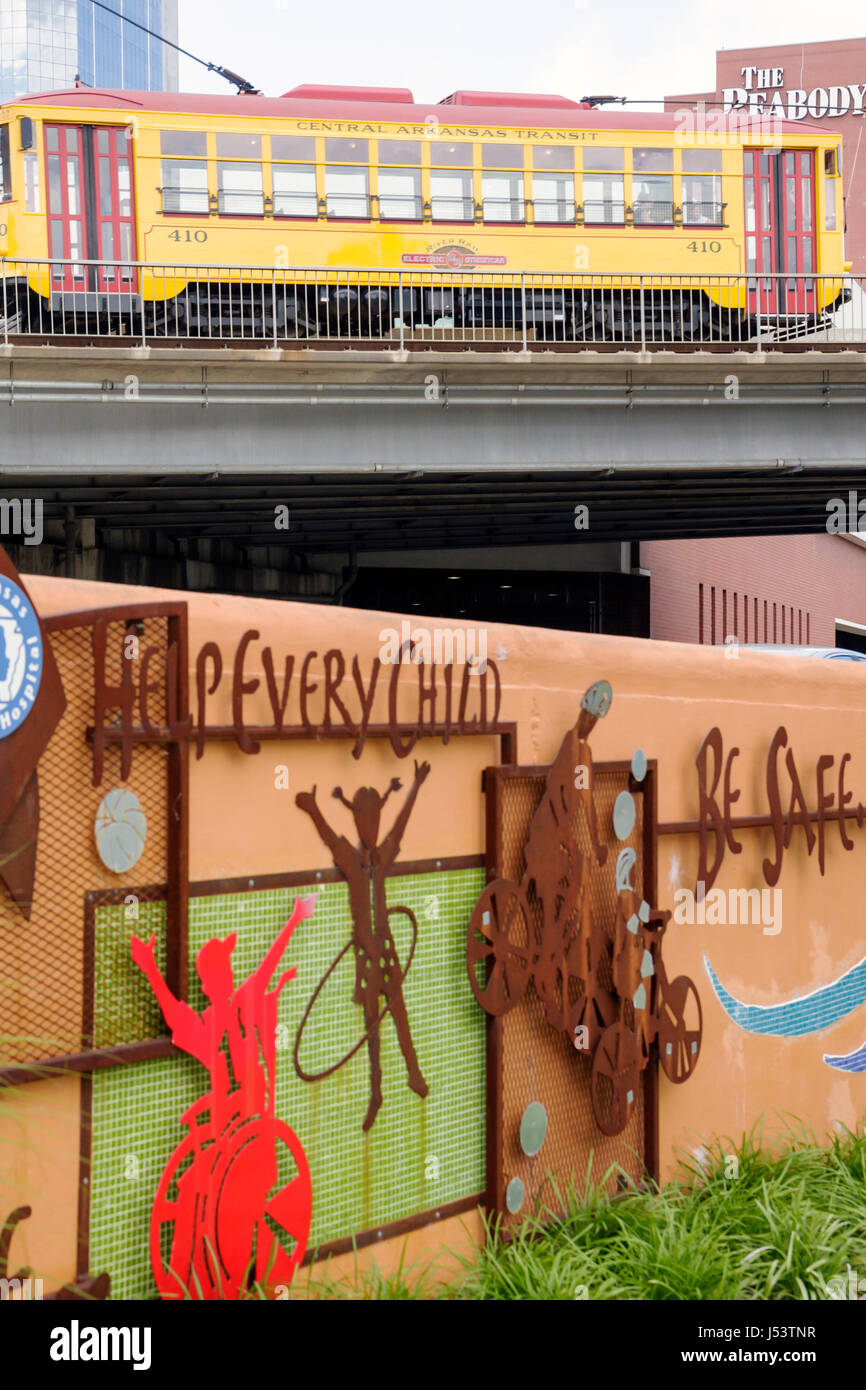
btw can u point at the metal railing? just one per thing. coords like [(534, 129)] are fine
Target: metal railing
[(408, 207), (450, 296), (188, 200)]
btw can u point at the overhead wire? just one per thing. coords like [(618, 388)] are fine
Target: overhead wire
[(244, 87)]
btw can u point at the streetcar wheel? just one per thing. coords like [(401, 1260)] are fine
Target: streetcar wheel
[(680, 1028), (498, 949), (615, 1079)]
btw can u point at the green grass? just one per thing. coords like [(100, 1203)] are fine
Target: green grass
[(743, 1223)]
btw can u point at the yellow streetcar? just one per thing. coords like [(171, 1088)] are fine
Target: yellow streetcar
[(333, 205)]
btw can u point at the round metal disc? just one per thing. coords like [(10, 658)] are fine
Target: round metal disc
[(533, 1128), (120, 829), (514, 1195), (638, 765), (624, 814)]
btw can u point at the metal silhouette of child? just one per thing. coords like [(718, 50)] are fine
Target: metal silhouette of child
[(365, 866)]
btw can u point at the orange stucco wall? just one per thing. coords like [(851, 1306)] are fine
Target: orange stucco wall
[(666, 699)]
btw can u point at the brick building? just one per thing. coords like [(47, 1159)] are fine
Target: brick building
[(817, 83), (791, 589)]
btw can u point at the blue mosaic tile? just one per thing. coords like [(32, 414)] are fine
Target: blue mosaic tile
[(796, 1018)]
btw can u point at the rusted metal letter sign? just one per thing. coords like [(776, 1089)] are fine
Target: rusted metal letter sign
[(339, 703), (717, 796)]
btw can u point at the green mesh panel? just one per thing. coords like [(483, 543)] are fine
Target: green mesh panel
[(419, 1154)]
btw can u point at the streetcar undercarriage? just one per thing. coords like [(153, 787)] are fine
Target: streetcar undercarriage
[(220, 310)]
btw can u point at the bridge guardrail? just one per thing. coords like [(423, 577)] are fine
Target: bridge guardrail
[(433, 303)]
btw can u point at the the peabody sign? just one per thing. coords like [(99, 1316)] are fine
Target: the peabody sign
[(762, 91)]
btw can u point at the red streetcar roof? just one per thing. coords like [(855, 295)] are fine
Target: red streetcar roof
[(385, 108), (314, 91), (513, 99)]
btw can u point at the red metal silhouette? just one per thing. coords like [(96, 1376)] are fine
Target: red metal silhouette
[(378, 971), (219, 1196)]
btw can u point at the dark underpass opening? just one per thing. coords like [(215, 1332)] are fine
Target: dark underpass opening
[(573, 602)]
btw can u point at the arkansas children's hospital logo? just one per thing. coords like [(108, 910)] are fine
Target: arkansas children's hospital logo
[(21, 657)]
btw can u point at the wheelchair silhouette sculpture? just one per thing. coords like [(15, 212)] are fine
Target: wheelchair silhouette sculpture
[(221, 1201), (543, 929)]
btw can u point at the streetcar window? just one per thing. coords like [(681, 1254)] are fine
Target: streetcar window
[(829, 204), (502, 196), (451, 153), (294, 190), (553, 197), (293, 147), (702, 161), (184, 186), (502, 156), (347, 191), (5, 166), (32, 198), (806, 205), (552, 157), (604, 157), (179, 144), (124, 188), (451, 196), (241, 191), (400, 152), (400, 194), (653, 161), (653, 196), (831, 162), (603, 197), (702, 199), (347, 151), (238, 146), (103, 142)]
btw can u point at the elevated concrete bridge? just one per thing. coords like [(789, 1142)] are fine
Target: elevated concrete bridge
[(660, 444)]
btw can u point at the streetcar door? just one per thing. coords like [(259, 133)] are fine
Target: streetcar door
[(91, 208), (779, 189)]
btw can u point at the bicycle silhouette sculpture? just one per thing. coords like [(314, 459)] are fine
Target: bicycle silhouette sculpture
[(220, 1198), (379, 974), (543, 929), (651, 1009)]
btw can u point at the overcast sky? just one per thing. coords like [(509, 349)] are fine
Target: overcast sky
[(635, 48)]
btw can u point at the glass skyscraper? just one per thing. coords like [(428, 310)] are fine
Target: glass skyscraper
[(46, 44)]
